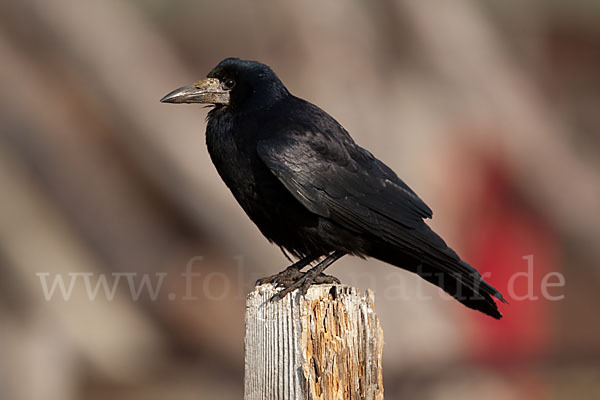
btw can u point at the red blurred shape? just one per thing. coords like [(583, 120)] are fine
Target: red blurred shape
[(509, 238)]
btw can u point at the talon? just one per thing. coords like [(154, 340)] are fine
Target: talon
[(275, 298), (304, 289), (259, 282)]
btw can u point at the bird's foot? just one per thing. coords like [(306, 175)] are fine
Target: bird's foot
[(285, 278), (306, 280)]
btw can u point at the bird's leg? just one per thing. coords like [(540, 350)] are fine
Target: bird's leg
[(289, 275), (313, 275)]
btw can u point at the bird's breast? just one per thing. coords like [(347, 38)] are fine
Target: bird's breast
[(262, 196), (253, 185)]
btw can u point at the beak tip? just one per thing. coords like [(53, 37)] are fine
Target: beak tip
[(176, 96), (167, 99)]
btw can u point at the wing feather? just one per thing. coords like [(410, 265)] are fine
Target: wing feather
[(342, 180)]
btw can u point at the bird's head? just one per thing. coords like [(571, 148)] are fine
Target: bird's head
[(240, 84)]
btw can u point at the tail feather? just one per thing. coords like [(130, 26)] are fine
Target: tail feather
[(446, 270)]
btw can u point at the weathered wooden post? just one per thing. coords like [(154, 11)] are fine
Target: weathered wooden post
[(324, 345)]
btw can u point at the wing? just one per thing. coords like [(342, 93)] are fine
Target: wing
[(335, 178)]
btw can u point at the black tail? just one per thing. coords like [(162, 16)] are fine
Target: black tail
[(441, 266)]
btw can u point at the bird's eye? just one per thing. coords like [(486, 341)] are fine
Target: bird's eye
[(228, 84)]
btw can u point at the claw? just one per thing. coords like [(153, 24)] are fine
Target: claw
[(274, 298)]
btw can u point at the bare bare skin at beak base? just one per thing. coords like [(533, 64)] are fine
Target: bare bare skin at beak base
[(206, 91)]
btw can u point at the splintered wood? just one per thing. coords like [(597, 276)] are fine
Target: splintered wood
[(324, 345)]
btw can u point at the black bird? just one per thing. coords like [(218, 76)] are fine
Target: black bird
[(313, 191)]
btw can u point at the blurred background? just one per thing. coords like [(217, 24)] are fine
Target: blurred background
[(489, 110)]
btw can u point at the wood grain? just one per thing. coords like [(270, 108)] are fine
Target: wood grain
[(326, 344)]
